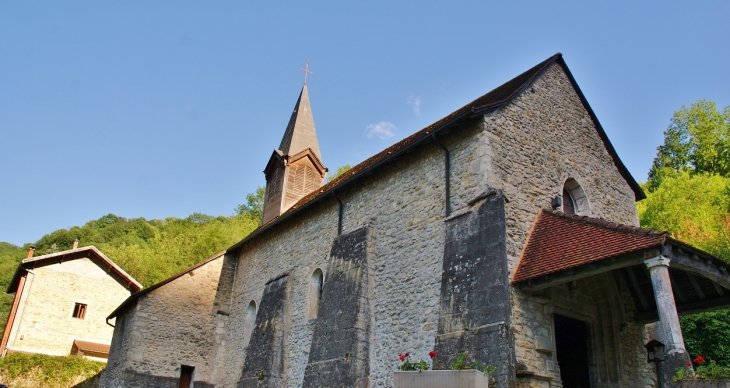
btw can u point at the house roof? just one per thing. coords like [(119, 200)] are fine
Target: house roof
[(92, 347), (559, 242), (491, 101), (90, 252), (133, 298)]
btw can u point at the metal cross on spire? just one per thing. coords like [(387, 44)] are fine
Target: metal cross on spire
[(306, 71)]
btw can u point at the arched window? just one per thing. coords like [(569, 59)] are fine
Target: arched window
[(249, 319), (574, 199), (315, 293)]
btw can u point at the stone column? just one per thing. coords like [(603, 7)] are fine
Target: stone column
[(676, 356)]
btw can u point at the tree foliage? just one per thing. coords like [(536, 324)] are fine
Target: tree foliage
[(688, 195), (149, 250), (694, 208), (697, 139), (708, 334), (339, 172), (254, 206)]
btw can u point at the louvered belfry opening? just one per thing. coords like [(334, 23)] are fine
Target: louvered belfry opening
[(301, 181), (295, 169)]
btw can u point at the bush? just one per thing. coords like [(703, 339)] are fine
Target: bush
[(19, 370)]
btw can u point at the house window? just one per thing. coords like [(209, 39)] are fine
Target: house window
[(186, 376), (79, 311)]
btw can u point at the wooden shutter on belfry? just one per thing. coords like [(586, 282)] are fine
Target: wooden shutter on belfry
[(302, 181), (275, 186)]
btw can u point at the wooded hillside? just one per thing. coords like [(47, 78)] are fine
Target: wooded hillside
[(149, 250)]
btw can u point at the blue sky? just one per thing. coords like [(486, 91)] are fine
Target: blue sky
[(159, 109)]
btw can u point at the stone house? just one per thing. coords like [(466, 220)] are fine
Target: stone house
[(508, 229), (61, 303), (166, 331)]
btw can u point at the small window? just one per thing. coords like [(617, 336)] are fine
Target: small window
[(568, 204), (315, 293), (186, 376), (249, 319), (574, 199), (79, 311)]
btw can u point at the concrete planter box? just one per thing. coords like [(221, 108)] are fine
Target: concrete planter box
[(470, 378), (700, 384)]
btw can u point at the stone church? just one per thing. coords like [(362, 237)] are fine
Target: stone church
[(508, 229)]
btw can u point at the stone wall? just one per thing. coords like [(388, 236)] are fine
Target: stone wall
[(170, 326), (527, 150), (44, 322), (406, 200), (538, 141), (475, 312), (340, 354)]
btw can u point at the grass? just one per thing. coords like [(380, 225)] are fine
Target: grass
[(19, 370)]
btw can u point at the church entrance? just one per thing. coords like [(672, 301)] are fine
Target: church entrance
[(571, 345)]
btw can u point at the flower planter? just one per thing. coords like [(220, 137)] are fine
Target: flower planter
[(470, 378)]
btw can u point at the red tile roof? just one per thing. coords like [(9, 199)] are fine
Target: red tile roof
[(559, 242)]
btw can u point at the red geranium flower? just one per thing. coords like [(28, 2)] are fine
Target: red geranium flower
[(402, 357), (699, 360), (689, 363), (432, 354)]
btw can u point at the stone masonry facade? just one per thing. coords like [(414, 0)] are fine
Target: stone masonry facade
[(396, 278), (526, 150), (45, 322), (539, 140), (171, 326)]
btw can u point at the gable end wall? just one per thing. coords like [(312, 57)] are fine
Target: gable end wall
[(44, 323), (539, 140), (171, 326)]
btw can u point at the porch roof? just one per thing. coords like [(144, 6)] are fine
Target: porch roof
[(563, 248)]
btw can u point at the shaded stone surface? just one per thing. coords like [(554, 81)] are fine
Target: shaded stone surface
[(339, 354), (475, 308), (131, 379), (265, 355)]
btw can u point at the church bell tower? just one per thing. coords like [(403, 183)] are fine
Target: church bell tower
[(295, 169)]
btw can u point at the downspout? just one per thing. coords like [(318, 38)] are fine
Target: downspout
[(447, 175), (339, 213)]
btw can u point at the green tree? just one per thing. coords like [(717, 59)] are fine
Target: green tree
[(697, 139), (694, 208), (339, 172), (688, 195), (708, 334), (254, 204)]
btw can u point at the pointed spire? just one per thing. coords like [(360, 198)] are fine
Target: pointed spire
[(300, 133)]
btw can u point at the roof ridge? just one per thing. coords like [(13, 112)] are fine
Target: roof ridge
[(606, 224), (522, 80)]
